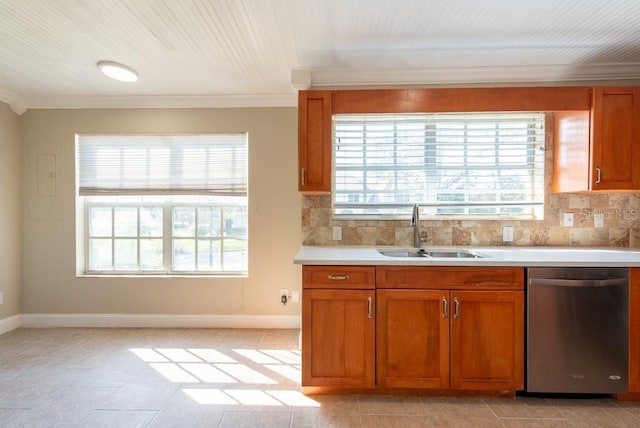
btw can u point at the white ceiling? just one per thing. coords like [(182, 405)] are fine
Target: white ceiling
[(193, 53)]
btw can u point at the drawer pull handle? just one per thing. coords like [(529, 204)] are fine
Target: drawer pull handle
[(598, 175), (302, 172), (338, 277), (456, 314), (445, 308), (370, 307)]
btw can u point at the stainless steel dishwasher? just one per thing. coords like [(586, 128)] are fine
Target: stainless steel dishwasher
[(577, 330)]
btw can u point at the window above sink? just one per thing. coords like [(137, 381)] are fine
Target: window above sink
[(455, 165)]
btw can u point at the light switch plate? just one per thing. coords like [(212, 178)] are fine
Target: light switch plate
[(598, 219), (337, 233), (1, 298), (568, 219)]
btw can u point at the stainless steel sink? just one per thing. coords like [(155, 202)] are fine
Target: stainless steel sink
[(403, 253), (455, 253), (435, 253)]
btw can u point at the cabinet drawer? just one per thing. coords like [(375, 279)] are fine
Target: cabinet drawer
[(448, 277), (352, 277)]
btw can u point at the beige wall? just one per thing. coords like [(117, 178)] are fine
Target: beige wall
[(10, 212), (621, 222), (50, 284)]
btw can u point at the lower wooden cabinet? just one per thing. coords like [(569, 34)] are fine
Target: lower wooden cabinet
[(338, 338), (472, 340), (466, 335)]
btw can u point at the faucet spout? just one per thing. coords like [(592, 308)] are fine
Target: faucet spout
[(415, 222)]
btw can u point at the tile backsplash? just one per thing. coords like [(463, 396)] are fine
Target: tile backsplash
[(620, 211)]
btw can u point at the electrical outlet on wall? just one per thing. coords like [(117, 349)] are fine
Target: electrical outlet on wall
[(337, 233), (507, 234)]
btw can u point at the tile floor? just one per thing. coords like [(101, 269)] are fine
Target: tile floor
[(229, 378)]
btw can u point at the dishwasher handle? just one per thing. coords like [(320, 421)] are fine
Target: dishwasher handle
[(558, 282)]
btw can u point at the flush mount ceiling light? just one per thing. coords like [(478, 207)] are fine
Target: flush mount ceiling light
[(117, 71)]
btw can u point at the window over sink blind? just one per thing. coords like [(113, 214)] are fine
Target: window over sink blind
[(483, 165)]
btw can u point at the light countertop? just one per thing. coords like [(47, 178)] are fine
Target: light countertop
[(491, 256)]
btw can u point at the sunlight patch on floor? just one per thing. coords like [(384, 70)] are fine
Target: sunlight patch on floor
[(250, 397), (214, 368)]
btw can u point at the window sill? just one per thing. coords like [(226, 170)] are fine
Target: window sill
[(423, 217), (163, 276)]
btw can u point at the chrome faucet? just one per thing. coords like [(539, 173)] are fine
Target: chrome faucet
[(415, 223)]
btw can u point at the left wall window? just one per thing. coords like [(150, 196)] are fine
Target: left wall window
[(164, 204)]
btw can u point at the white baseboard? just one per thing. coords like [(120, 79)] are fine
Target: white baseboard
[(158, 321), (11, 323)]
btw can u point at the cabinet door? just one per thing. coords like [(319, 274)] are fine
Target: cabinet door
[(338, 338), (314, 141), (487, 340), (413, 339), (571, 154), (615, 131)]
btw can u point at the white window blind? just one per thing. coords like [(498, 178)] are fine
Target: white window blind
[(214, 164), (450, 164)]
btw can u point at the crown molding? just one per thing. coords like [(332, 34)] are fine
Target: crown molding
[(617, 73), (300, 79), (132, 101), (500, 75), (13, 101)]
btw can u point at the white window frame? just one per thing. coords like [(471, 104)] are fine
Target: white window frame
[(168, 262), (211, 190), (356, 136)]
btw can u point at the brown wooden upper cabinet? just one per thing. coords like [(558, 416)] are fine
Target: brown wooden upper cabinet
[(315, 110), (597, 149), (314, 141)]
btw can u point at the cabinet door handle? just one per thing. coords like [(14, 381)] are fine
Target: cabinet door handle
[(338, 277), (370, 307), (302, 177), (445, 307), (598, 175), (456, 312)]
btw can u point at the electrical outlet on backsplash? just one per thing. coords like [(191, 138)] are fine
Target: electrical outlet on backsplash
[(620, 220)]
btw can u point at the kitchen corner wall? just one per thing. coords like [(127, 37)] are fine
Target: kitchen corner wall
[(621, 212), (10, 213)]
